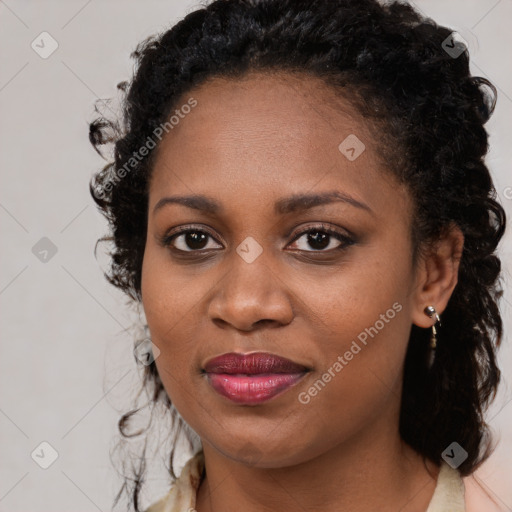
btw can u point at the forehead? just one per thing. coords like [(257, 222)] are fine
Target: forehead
[(270, 111), (269, 135)]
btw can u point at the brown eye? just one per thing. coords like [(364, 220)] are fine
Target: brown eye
[(189, 240), (318, 238)]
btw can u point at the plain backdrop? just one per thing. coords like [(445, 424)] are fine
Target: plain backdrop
[(67, 369)]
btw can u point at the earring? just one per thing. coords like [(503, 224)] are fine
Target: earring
[(431, 312)]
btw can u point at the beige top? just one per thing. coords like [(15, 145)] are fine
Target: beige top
[(448, 494)]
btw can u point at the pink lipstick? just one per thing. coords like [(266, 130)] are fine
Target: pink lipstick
[(252, 378)]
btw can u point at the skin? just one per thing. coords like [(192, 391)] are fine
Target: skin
[(247, 144)]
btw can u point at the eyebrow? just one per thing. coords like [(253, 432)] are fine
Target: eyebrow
[(292, 204)]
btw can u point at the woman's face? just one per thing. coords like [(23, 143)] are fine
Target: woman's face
[(340, 304)]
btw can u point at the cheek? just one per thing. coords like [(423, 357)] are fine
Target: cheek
[(174, 309), (359, 377), (168, 297), (359, 319), (174, 303)]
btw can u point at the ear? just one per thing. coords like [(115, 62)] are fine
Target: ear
[(437, 275)]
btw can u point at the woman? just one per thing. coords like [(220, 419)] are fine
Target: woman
[(298, 199)]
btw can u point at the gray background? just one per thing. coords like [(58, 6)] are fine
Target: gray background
[(66, 368)]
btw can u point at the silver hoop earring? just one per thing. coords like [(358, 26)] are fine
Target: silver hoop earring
[(431, 312)]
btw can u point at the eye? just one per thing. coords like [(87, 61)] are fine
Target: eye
[(321, 237), (188, 239)]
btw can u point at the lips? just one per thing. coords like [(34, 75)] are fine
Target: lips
[(253, 378), (252, 364)]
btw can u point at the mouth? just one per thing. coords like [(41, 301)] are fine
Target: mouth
[(253, 378)]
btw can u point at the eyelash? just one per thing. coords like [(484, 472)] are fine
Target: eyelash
[(345, 240)]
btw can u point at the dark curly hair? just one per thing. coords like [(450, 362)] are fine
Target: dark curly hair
[(393, 65)]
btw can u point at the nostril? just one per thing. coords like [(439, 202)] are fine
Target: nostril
[(264, 321)]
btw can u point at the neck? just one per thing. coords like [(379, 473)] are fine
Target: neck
[(362, 474)]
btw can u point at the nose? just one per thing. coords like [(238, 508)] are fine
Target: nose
[(250, 296)]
